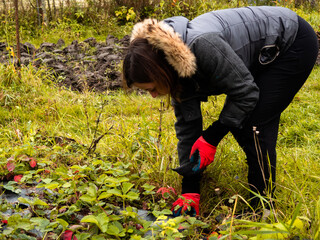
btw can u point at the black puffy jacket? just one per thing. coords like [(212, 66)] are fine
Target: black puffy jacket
[(216, 53)]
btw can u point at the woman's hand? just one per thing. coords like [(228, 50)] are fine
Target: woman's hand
[(202, 153), (188, 204)]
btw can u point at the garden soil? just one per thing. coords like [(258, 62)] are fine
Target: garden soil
[(87, 65)]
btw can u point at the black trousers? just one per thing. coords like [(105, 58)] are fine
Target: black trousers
[(278, 82)]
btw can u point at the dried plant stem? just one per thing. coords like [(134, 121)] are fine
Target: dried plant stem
[(232, 217), (259, 152), (96, 139), (17, 38), (161, 110)]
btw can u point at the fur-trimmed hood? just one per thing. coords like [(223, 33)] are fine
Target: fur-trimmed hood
[(162, 36)]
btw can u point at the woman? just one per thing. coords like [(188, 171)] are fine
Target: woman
[(258, 56)]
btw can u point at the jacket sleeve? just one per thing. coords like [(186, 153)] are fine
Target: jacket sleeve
[(226, 74), (188, 129), (188, 126)]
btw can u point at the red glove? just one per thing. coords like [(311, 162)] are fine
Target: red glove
[(206, 152), (188, 204)]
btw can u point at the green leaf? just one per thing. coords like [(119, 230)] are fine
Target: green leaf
[(135, 237), (62, 171), (33, 202), (115, 191), (118, 225), (92, 190), (83, 236), (37, 201), (98, 237), (101, 179), (47, 180), (7, 231), (166, 195), (126, 186), (116, 180), (132, 196), (42, 223), (63, 223), (90, 219), (166, 212), (11, 188), (114, 217), (88, 199), (113, 230), (25, 200), (103, 220), (104, 195), (146, 224), (52, 185), (161, 217), (66, 185), (16, 221)]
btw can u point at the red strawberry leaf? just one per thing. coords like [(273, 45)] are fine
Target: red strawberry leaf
[(33, 162), (24, 158), (17, 178), (67, 235), (10, 166)]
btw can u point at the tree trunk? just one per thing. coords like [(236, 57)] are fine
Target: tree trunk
[(105, 8), (17, 31), (100, 5), (4, 7), (313, 4), (54, 10), (44, 12), (50, 13), (22, 7), (61, 8), (38, 13), (297, 3)]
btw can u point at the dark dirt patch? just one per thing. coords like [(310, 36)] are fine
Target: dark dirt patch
[(83, 65)]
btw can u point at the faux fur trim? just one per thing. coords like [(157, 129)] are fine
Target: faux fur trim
[(162, 36)]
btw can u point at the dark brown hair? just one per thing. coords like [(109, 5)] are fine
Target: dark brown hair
[(144, 64)]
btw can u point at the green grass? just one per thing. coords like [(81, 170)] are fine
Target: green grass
[(66, 29)]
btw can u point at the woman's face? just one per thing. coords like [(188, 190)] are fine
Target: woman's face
[(151, 88)]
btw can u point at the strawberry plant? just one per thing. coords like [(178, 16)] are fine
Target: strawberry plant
[(96, 198)]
